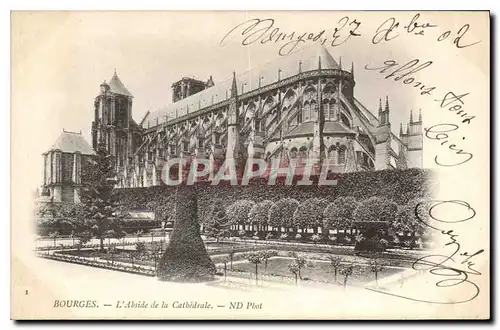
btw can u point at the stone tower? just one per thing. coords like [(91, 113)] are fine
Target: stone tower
[(112, 120), (415, 142)]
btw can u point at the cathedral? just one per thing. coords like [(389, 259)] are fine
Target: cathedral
[(298, 107)]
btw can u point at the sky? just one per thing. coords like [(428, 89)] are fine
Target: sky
[(60, 59)]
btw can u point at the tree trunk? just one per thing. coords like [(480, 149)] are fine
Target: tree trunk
[(345, 282), (335, 276), (256, 273), (102, 244), (296, 279), (376, 278)]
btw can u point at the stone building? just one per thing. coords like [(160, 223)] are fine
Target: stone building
[(298, 107), (63, 164)]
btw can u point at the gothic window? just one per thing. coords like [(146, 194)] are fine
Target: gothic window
[(326, 108), (217, 138), (150, 155), (293, 153), (306, 110), (314, 110), (185, 145), (299, 117), (200, 142), (258, 127), (333, 109), (160, 152), (172, 149)]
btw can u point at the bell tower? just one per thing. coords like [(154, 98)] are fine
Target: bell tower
[(112, 119)]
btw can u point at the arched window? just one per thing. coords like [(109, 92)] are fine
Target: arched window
[(306, 110), (333, 109), (314, 110), (293, 153), (326, 108), (299, 117)]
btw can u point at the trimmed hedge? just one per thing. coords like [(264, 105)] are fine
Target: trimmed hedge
[(400, 186)]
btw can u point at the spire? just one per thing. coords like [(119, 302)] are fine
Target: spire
[(411, 116), (115, 71), (234, 89), (340, 62), (420, 115), (380, 105), (400, 129), (386, 103), (352, 69), (407, 128)]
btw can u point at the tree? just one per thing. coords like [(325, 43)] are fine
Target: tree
[(335, 262), (231, 256), (294, 269), (300, 261), (375, 209), (346, 271), (217, 224), (54, 235), (310, 214), (237, 213), (339, 214), (376, 268), (98, 195), (186, 259), (281, 213), (255, 258), (259, 214), (266, 255), (406, 221)]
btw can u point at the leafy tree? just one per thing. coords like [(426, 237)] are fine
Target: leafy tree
[(406, 220), (255, 258), (346, 271), (310, 213), (238, 212), (335, 262), (231, 256), (294, 269), (217, 224), (300, 261), (339, 214), (266, 255), (376, 209), (281, 213), (101, 211), (54, 235), (376, 268), (259, 214)]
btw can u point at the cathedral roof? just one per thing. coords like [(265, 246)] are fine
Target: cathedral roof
[(71, 142), (116, 86), (307, 58)]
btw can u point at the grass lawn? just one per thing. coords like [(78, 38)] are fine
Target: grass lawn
[(321, 272)]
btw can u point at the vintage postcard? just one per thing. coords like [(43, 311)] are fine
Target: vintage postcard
[(250, 165)]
